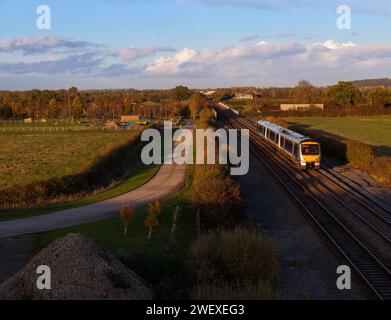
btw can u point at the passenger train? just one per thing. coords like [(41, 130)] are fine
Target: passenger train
[(303, 151)]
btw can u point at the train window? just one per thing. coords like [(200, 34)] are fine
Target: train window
[(288, 146), (272, 135), (297, 151), (310, 150)]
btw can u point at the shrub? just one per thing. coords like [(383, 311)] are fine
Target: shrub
[(380, 170), (207, 118), (217, 197), (359, 154), (236, 264)]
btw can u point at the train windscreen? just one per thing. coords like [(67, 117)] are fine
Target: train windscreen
[(310, 150)]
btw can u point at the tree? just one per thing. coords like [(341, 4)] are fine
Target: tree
[(196, 104), (343, 93), (379, 96), (77, 108), (180, 93), (53, 110), (5, 112), (126, 214), (207, 118), (302, 92), (151, 220), (128, 105)]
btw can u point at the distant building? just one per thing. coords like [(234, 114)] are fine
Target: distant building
[(301, 106), (208, 93), (244, 96), (28, 120)]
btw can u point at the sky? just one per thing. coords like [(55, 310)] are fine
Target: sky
[(98, 44)]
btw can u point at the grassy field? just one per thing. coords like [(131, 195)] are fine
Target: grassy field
[(27, 157), (375, 131)]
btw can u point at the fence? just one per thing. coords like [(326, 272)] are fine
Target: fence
[(64, 129)]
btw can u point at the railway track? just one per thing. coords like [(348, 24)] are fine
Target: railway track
[(358, 228)]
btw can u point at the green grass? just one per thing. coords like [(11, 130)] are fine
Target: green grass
[(159, 260), (375, 131), (135, 179), (28, 157)]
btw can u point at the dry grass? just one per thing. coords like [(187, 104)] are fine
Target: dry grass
[(380, 170), (235, 264), (25, 158)]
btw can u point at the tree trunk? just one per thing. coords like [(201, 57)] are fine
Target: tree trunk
[(150, 233), (126, 231)]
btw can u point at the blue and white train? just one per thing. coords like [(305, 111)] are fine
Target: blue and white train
[(303, 151)]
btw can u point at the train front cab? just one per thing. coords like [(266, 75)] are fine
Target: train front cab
[(310, 155)]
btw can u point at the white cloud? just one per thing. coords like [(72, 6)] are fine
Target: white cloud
[(44, 44), (334, 45), (175, 65), (262, 63), (132, 52)]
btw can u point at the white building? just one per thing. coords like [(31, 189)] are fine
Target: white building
[(244, 96), (301, 106)]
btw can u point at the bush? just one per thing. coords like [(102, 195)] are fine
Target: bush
[(217, 197), (359, 154), (207, 118), (236, 264), (380, 170)]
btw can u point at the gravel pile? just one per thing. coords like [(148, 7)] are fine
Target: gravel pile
[(79, 271)]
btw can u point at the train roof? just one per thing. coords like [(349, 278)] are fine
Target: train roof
[(288, 134)]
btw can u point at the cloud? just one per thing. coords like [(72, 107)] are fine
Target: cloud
[(43, 44), (180, 63), (259, 63), (276, 62), (132, 52), (73, 64), (249, 38), (221, 61)]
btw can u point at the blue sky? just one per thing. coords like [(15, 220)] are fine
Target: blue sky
[(199, 43)]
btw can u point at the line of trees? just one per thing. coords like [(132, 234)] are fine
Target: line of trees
[(97, 104), (343, 93), (109, 104)]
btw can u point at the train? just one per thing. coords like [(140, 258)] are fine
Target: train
[(303, 151)]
